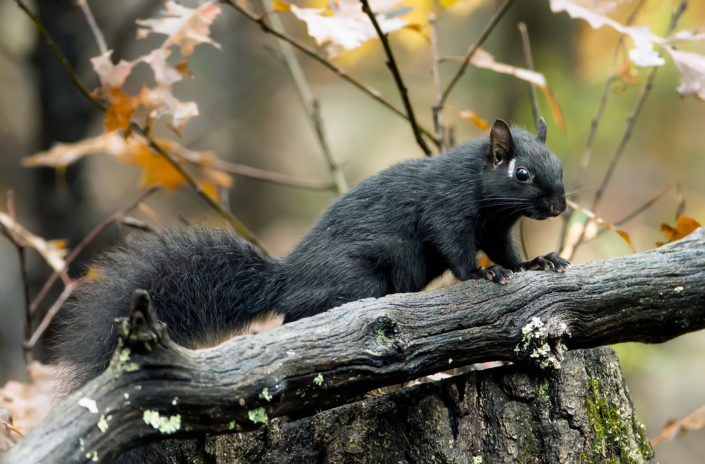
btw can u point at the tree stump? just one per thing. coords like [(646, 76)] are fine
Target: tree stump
[(581, 413)]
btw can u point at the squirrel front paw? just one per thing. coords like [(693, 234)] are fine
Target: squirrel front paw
[(495, 273), (545, 262)]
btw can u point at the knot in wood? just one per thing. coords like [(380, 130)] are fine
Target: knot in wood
[(386, 331)]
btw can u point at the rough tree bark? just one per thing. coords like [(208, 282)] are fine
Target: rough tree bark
[(155, 390), (581, 413)]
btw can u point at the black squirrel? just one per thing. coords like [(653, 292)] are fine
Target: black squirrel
[(394, 232)]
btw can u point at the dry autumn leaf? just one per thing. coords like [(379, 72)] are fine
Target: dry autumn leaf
[(186, 28), (53, 251), (471, 116), (684, 227), (135, 150), (694, 421), (483, 59), (348, 27), (29, 403), (601, 221), (691, 65)]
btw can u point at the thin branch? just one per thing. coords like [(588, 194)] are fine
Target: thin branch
[(88, 239), (530, 66), (20, 246), (270, 176), (603, 98), (437, 114), (392, 65), (634, 213), (97, 33), (630, 126), (239, 227), (635, 114), (486, 33), (60, 56), (312, 54), (534, 109), (31, 342), (242, 230), (308, 100)]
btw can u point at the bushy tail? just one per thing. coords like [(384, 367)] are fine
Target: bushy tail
[(205, 284)]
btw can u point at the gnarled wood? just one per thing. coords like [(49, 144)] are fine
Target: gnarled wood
[(319, 362)]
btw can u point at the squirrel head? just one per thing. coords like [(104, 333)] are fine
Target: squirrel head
[(521, 174)]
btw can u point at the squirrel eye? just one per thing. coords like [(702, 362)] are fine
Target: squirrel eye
[(521, 174)]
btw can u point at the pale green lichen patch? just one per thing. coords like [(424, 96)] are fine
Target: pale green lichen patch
[(318, 380), (450, 361), (175, 401), (124, 355), (93, 457), (82, 444), (265, 394), (258, 416), (88, 404), (102, 424), (477, 460), (123, 364), (166, 425), (231, 425)]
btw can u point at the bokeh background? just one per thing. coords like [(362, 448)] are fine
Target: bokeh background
[(251, 114)]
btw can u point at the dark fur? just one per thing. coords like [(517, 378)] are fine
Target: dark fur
[(394, 232)]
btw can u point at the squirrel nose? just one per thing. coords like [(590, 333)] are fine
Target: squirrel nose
[(558, 205)]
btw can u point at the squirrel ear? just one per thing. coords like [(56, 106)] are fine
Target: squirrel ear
[(541, 131), (501, 143)]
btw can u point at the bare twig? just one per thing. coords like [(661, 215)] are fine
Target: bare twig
[(680, 198), (534, 109), (437, 114), (486, 33), (635, 114), (97, 33), (88, 239), (630, 125), (235, 222), (312, 54), (603, 98), (129, 221), (271, 177), (530, 65), (20, 246), (307, 98), (637, 211), (392, 65), (60, 56), (31, 342), (249, 236)]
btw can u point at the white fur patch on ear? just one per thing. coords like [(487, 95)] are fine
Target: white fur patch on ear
[(512, 163)]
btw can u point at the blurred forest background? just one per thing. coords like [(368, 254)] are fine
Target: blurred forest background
[(251, 114)]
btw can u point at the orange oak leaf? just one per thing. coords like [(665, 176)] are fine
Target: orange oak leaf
[(683, 228), (112, 77)]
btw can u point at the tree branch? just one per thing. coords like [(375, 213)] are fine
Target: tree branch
[(486, 33), (155, 390), (312, 54), (392, 65)]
